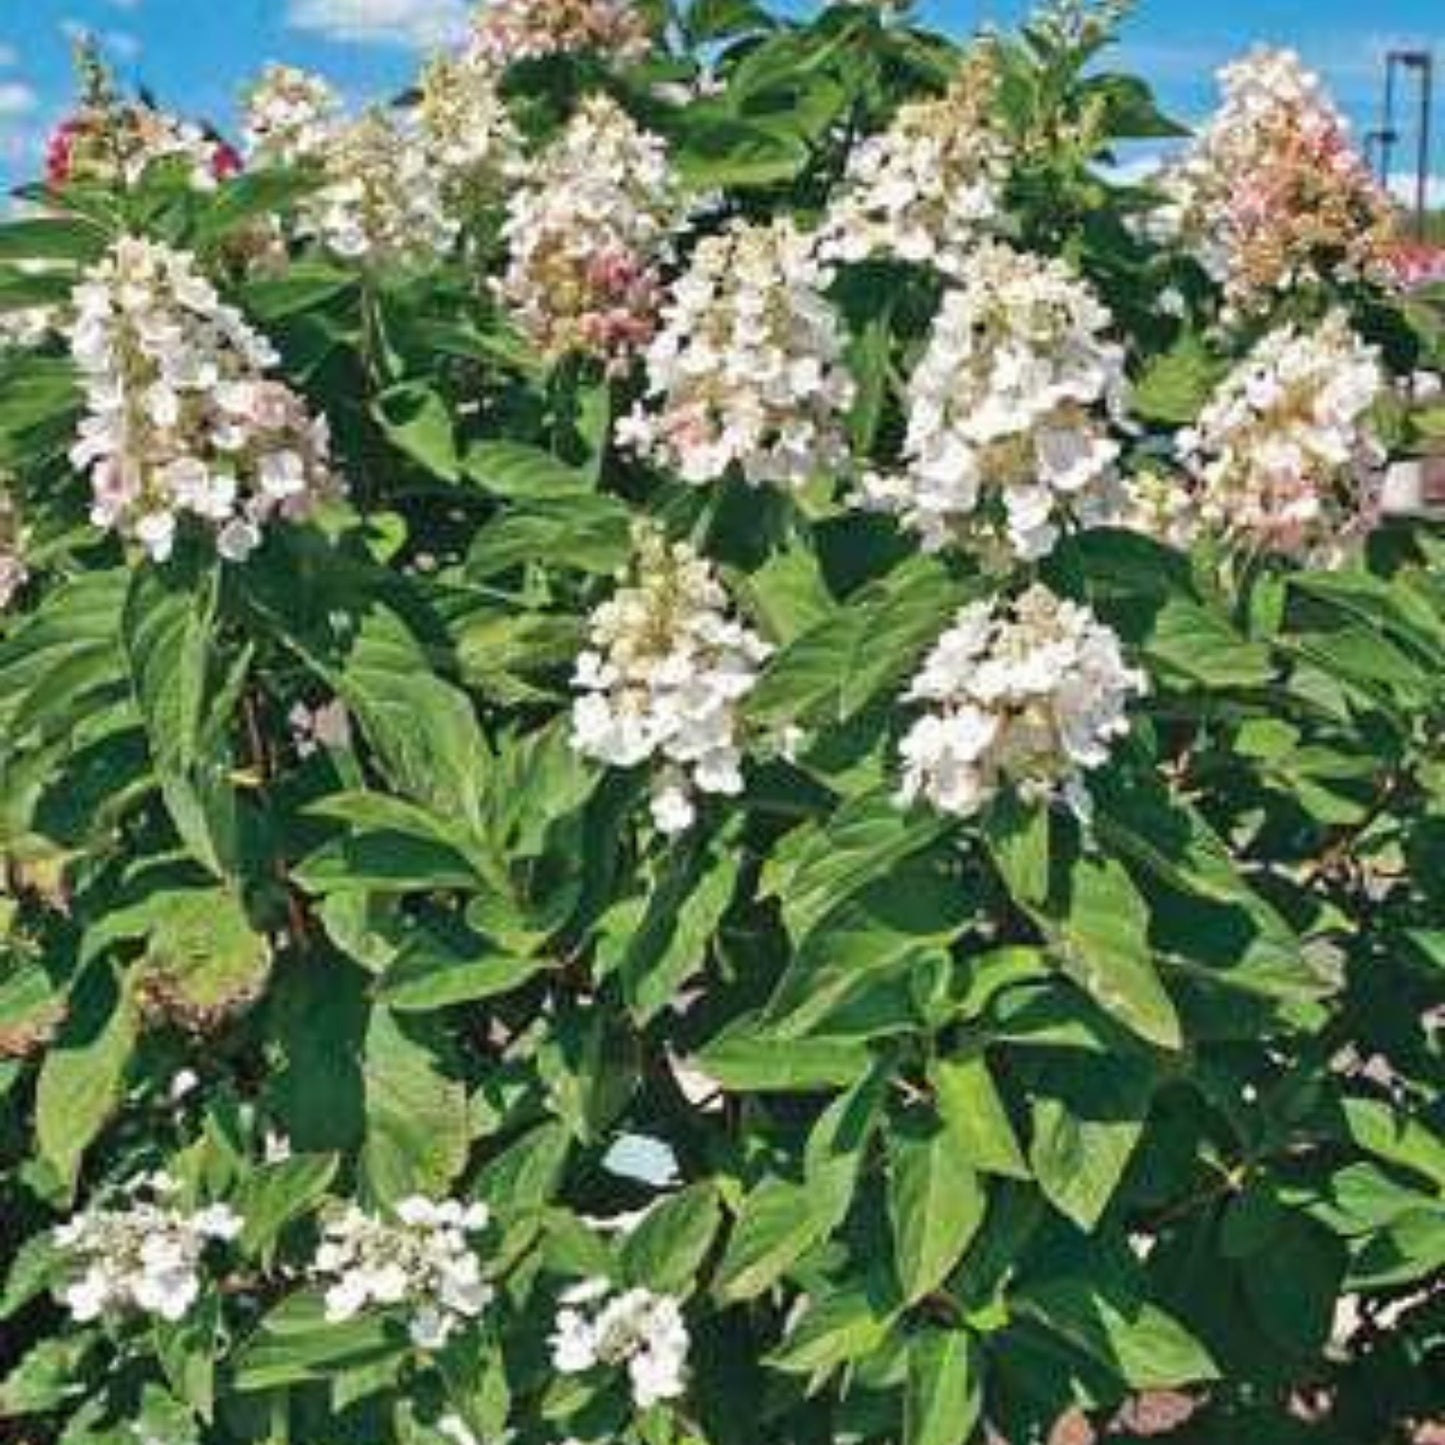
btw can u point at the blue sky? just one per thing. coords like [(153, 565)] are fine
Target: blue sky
[(195, 54)]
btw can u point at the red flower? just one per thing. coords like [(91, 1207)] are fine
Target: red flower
[(60, 152), (226, 161)]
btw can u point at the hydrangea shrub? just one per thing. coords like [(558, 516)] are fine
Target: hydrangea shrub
[(703, 742)]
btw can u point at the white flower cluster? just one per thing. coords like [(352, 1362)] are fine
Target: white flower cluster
[(663, 676), (506, 31), (923, 189), (144, 1257), (642, 1330), (422, 1259), (181, 420), (26, 327), (1008, 411), (1273, 191), (392, 181), (1162, 506), (1284, 456), (1029, 693), (748, 367), (586, 229), (291, 116), (465, 124), (383, 200), (13, 571)]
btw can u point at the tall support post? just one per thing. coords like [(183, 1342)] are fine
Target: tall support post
[(1422, 166), (1422, 64), (1387, 124)]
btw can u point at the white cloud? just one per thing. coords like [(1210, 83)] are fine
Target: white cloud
[(16, 99), (417, 24)]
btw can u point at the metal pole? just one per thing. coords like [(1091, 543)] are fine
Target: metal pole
[(1422, 174), (1387, 128)]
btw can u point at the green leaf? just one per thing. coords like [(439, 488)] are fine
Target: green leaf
[(706, 20), (296, 1344), (881, 933), (187, 1350), (821, 865), (303, 287), (974, 1117), (39, 399), (423, 729), (271, 1196), (1396, 1138), (739, 1059), (416, 1114), (527, 1174), (1193, 645), (523, 473), (62, 655), (657, 943), (1102, 942), (168, 630), (1130, 110), (431, 972), (834, 669), (1293, 1289), (82, 1075), (52, 238), (666, 1251), (317, 1017), (779, 1223), (715, 153), (1085, 1131), (47, 1378), (20, 290), (1019, 838), (416, 421), (587, 532), (788, 594), (936, 1203), (943, 1397), (35, 1266), (254, 195), (1144, 1346), (842, 1326), (385, 862)]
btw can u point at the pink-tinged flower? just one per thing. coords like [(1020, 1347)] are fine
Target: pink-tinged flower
[(1273, 193), (181, 420), (1412, 265), (506, 31), (747, 370), (587, 230), (1285, 458)]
